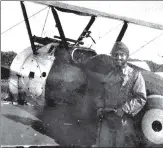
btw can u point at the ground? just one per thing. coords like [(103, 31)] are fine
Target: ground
[(19, 126)]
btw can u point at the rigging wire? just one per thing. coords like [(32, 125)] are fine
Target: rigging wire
[(146, 44), (100, 37), (109, 31), (45, 22), (23, 20)]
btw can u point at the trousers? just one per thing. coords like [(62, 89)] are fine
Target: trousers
[(116, 132)]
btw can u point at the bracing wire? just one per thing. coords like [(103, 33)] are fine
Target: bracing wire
[(23, 21), (45, 22), (109, 31), (100, 37), (146, 44)]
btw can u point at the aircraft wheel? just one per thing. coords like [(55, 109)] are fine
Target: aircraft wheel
[(152, 122)]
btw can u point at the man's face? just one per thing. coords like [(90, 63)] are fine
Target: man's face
[(120, 58)]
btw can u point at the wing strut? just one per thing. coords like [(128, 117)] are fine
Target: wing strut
[(59, 26), (86, 29), (28, 26), (122, 32)]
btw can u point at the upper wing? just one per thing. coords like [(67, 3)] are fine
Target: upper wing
[(90, 12)]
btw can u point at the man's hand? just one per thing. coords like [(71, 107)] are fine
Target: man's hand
[(119, 112), (100, 113)]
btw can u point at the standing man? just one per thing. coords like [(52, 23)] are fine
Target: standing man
[(123, 97)]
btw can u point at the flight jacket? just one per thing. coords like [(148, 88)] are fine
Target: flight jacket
[(123, 89)]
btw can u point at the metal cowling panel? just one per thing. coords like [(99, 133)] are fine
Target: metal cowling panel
[(33, 71), (15, 69)]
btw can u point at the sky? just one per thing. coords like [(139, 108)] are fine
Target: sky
[(104, 31)]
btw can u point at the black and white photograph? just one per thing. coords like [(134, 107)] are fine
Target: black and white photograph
[(81, 74)]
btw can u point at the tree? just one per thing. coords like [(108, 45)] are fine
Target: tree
[(7, 58)]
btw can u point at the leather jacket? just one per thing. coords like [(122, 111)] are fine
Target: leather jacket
[(123, 89)]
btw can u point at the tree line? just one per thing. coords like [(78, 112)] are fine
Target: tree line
[(7, 58)]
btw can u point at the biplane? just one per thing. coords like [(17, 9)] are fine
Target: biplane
[(59, 78)]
